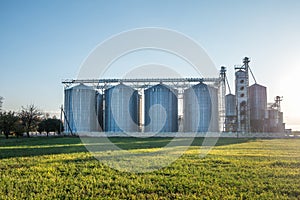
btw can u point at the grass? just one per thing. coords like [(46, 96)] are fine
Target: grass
[(61, 168)]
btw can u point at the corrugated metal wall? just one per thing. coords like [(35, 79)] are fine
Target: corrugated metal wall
[(80, 109), (258, 107), (201, 109), (161, 109), (121, 109), (230, 108)]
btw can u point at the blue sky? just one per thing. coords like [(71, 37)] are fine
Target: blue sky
[(43, 42)]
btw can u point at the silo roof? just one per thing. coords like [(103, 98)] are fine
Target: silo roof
[(81, 86), (257, 85), (161, 85)]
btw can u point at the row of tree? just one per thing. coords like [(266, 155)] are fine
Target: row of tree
[(1, 101), (28, 120)]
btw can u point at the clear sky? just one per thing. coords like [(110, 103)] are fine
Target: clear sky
[(43, 42)]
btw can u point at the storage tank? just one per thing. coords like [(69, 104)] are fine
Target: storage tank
[(230, 113), (99, 110), (280, 117), (230, 105), (80, 112), (201, 109), (258, 107), (281, 125), (161, 109), (121, 109), (273, 120)]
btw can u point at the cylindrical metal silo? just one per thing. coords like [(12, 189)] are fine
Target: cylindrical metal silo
[(80, 112), (230, 105), (99, 110), (121, 109), (258, 107), (281, 125), (161, 109), (280, 117), (273, 120), (201, 109), (230, 113)]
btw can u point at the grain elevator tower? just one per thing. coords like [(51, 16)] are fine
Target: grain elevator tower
[(242, 96)]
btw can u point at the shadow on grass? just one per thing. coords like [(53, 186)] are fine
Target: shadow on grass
[(38, 141), (158, 142), (37, 146), (24, 147)]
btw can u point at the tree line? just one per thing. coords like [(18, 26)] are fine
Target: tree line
[(28, 120)]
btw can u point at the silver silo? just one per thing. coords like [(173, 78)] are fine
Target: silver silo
[(258, 107), (273, 120), (201, 109), (161, 109), (230, 105), (230, 113), (121, 109), (99, 110), (281, 125), (80, 112)]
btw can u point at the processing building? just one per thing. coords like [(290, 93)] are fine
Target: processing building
[(242, 97), (248, 110)]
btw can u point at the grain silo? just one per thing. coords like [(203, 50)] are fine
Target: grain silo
[(230, 113), (230, 105), (121, 109), (281, 125), (201, 109), (161, 109), (80, 109), (258, 107), (273, 120)]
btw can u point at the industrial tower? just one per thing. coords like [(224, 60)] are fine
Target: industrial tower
[(242, 96)]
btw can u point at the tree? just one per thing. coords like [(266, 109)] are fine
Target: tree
[(42, 126), (1, 102), (30, 117), (9, 122), (50, 125), (19, 128)]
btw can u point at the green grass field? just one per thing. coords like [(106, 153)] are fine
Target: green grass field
[(61, 168)]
